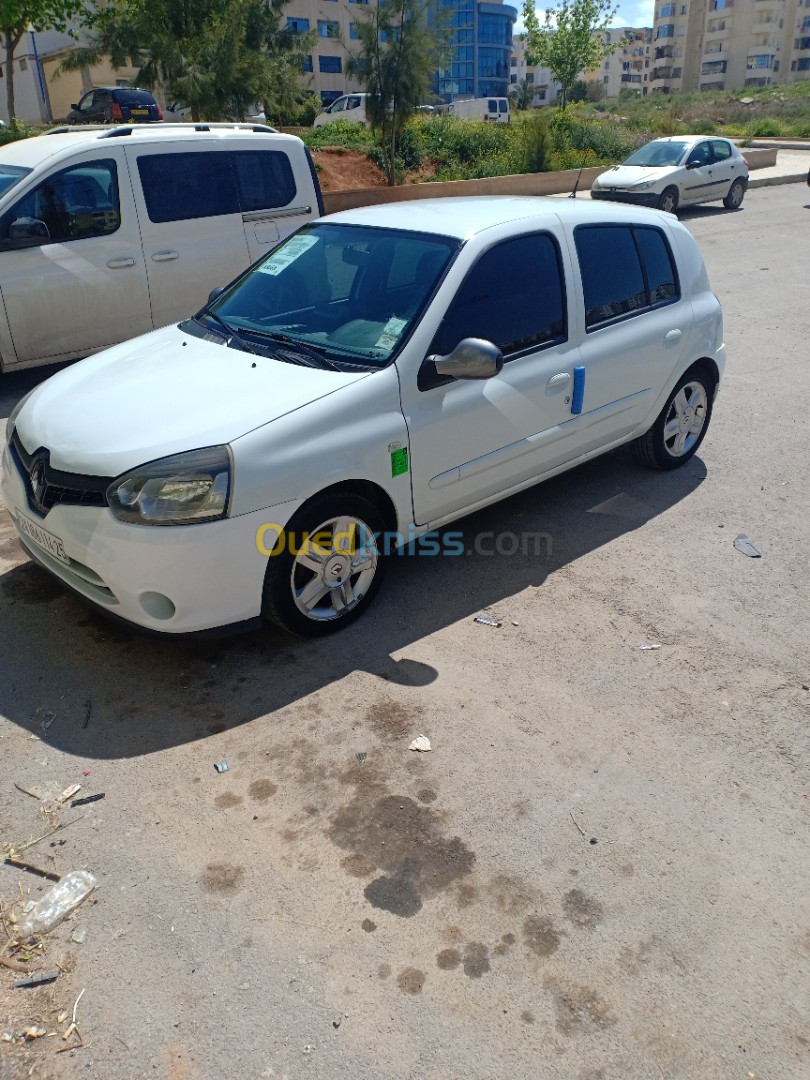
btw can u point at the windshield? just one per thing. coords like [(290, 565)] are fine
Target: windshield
[(9, 176), (348, 294), (660, 154)]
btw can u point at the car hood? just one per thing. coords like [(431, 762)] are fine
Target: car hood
[(161, 394), (625, 176)]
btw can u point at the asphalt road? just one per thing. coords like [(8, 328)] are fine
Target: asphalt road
[(601, 870)]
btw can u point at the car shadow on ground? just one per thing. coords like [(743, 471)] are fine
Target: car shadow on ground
[(92, 689)]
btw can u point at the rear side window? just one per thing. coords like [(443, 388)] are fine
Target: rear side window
[(264, 179), (624, 269), (513, 296), (179, 187), (722, 150)]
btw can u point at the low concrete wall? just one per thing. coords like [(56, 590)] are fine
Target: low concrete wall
[(549, 183)]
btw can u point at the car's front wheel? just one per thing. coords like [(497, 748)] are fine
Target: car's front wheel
[(733, 201), (326, 567), (668, 200), (681, 425)]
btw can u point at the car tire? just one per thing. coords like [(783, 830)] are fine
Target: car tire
[(736, 194), (681, 425), (668, 200), (312, 551)]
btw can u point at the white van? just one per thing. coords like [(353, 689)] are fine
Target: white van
[(350, 107), (495, 109), (106, 233)]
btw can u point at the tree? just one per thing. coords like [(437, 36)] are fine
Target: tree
[(216, 57), (572, 39), (523, 95), (17, 17), (401, 42)]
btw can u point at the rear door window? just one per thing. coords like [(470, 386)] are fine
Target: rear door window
[(264, 179), (179, 187), (624, 269)]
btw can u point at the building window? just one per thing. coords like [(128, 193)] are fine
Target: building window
[(330, 65), (358, 1), (762, 61), (513, 79), (665, 31), (297, 26), (328, 29), (306, 64), (665, 10), (353, 31), (803, 64), (394, 35)]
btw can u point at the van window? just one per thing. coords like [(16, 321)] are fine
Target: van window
[(503, 105), (492, 105), (624, 270), (179, 187), (513, 296), (72, 204), (264, 179)]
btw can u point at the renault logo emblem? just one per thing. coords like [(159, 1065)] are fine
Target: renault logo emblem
[(37, 479)]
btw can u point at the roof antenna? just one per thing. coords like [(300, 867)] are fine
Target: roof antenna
[(573, 194)]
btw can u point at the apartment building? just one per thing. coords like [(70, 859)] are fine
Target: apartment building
[(480, 46), (729, 44), (546, 88), (628, 68)]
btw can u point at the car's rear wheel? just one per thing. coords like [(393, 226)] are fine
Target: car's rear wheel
[(733, 201), (326, 568), (668, 200), (681, 425)]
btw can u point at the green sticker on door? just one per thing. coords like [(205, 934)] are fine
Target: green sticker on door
[(399, 461)]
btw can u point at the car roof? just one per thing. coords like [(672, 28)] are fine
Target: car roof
[(466, 217), (30, 153), (691, 138)]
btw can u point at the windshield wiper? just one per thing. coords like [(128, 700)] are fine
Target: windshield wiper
[(233, 335), (302, 348)]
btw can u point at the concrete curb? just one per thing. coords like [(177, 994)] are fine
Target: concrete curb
[(771, 181)]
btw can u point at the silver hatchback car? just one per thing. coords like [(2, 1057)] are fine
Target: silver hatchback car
[(679, 171)]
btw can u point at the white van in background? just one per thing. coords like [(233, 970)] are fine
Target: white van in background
[(495, 109), (350, 107)]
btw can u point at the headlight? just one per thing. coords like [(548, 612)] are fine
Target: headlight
[(182, 490), (645, 185)]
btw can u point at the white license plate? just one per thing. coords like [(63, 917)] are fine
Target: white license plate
[(43, 539)]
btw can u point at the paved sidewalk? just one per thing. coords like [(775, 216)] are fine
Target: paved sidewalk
[(790, 168)]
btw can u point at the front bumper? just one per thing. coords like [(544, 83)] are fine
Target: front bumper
[(170, 579), (637, 198)]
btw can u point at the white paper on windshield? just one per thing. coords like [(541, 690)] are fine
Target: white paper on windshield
[(391, 331), (291, 251)]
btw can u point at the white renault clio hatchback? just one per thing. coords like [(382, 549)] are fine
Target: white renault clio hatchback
[(379, 374)]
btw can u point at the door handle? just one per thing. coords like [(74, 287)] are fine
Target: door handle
[(165, 256), (672, 335), (557, 382), (120, 264)]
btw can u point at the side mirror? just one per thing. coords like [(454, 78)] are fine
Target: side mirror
[(472, 358), (218, 291), (75, 106), (28, 228), (693, 164)]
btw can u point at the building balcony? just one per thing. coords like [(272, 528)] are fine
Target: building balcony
[(664, 52), (714, 67), (661, 73)]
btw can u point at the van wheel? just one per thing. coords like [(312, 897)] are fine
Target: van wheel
[(679, 430), (326, 567), (668, 202), (733, 201)]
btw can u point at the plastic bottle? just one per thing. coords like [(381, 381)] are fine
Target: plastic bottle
[(57, 904)]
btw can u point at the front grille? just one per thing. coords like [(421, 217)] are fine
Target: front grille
[(46, 487)]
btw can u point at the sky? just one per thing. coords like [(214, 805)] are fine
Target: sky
[(631, 12)]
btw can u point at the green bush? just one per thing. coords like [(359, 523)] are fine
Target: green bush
[(18, 130)]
